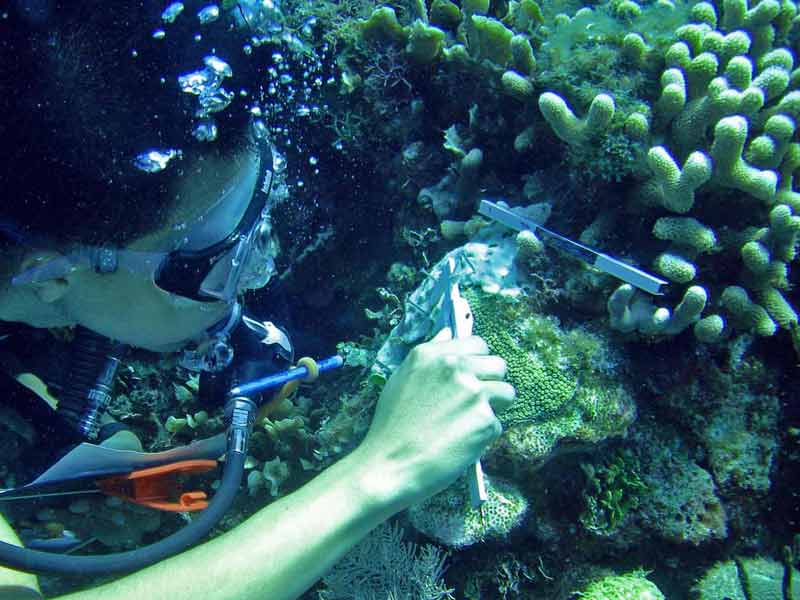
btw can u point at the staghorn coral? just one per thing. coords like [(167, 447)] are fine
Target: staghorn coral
[(689, 102)]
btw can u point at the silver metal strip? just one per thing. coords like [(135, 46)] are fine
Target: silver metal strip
[(608, 264)]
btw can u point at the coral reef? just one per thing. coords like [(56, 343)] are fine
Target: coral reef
[(721, 119), (383, 565), (449, 518), (633, 586), (651, 431), (748, 579), (613, 489)]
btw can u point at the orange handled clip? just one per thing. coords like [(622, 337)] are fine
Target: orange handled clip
[(158, 487)]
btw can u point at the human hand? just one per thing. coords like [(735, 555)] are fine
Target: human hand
[(434, 418)]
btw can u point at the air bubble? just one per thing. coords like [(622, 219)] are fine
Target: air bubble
[(260, 130), (154, 161), (205, 131), (218, 66), (209, 14), (171, 12)]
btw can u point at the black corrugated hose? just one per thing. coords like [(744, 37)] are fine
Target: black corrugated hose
[(36, 561)]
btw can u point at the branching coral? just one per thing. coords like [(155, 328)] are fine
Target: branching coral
[(383, 566)]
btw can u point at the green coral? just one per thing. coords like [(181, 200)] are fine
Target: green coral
[(569, 127), (675, 267), (613, 488), (673, 187), (709, 329), (425, 43), (686, 232), (450, 518), (382, 25), (542, 388), (565, 380), (490, 40), (632, 586)]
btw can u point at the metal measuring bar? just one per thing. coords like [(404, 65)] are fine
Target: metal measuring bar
[(608, 264), (457, 315), (271, 381)]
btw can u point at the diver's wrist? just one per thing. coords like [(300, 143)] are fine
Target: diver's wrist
[(383, 483)]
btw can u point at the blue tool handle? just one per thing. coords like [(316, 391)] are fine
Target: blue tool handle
[(277, 379)]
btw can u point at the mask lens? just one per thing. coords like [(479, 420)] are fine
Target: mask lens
[(220, 282), (248, 265), (260, 265)]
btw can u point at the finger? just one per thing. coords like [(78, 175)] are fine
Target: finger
[(486, 367), (493, 428), (444, 335), (501, 395), (466, 345)]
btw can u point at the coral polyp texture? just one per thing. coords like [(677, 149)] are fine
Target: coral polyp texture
[(567, 392), (633, 586), (450, 519)]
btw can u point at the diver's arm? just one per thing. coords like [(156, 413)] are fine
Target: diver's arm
[(278, 553), (433, 419)]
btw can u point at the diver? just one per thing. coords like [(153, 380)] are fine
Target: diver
[(136, 179)]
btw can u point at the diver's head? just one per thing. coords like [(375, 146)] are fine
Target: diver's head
[(135, 169)]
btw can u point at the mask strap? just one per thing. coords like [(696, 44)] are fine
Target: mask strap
[(101, 259)]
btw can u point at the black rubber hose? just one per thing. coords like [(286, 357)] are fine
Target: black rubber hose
[(35, 561)]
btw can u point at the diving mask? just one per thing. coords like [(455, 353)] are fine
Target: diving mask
[(203, 261)]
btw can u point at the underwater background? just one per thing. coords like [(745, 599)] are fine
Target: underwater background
[(654, 447)]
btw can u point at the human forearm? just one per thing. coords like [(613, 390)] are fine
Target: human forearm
[(279, 552), (433, 418)]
